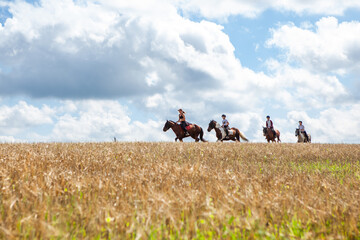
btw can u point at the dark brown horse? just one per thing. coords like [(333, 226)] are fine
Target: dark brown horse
[(194, 131), (269, 135), (234, 133)]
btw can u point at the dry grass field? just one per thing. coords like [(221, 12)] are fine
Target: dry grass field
[(179, 191)]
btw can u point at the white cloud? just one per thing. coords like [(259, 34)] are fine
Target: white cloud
[(299, 87), (222, 9), (22, 117), (161, 61), (133, 52), (108, 49), (329, 47), (8, 139), (93, 120)]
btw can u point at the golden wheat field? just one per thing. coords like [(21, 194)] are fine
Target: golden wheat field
[(179, 191)]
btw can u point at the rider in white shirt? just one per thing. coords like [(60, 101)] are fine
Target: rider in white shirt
[(225, 124), (302, 129)]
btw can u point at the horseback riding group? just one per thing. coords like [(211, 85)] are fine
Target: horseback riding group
[(183, 129)]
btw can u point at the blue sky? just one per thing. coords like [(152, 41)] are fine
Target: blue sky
[(89, 71)]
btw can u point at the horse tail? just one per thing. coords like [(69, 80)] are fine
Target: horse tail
[(243, 136), (201, 135), (237, 135), (278, 135)]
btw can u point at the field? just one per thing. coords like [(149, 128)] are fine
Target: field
[(179, 191)]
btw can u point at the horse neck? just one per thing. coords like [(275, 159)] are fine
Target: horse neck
[(302, 136), (270, 133), (217, 130), (173, 125)]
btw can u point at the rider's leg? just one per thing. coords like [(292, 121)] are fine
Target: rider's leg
[(183, 126), (306, 136), (273, 130), (227, 131)]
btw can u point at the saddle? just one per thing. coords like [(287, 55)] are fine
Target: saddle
[(188, 127), (231, 132)]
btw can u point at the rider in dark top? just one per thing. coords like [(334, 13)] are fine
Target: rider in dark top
[(182, 120), (269, 124)]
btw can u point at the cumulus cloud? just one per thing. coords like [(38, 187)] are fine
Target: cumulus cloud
[(112, 49), (329, 46), (85, 120), (160, 60), (300, 86), (106, 50), (221, 10), (101, 120), (22, 116)]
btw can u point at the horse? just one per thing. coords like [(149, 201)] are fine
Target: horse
[(234, 133), (269, 135), (193, 131), (301, 137)]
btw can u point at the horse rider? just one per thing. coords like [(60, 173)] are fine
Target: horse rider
[(302, 129), (182, 120), (269, 124), (225, 124)]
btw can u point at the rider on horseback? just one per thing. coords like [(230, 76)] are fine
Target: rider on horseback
[(269, 124), (302, 129), (225, 124), (182, 120)]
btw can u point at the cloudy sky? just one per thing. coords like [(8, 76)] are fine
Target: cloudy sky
[(91, 70)]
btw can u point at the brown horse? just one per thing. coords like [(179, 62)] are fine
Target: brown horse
[(234, 133), (194, 131), (269, 135)]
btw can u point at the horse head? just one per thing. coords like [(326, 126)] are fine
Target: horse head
[(167, 126), (264, 131), (296, 132), (212, 125)]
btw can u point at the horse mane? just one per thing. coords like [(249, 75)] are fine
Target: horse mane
[(172, 121)]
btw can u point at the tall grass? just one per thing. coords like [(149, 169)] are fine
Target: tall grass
[(179, 191)]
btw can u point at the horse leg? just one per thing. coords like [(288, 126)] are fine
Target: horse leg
[(197, 139), (237, 136), (176, 139)]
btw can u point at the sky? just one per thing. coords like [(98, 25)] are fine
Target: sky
[(89, 70)]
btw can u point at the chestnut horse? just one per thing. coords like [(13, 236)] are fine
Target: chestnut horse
[(194, 131), (269, 135), (234, 133)]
